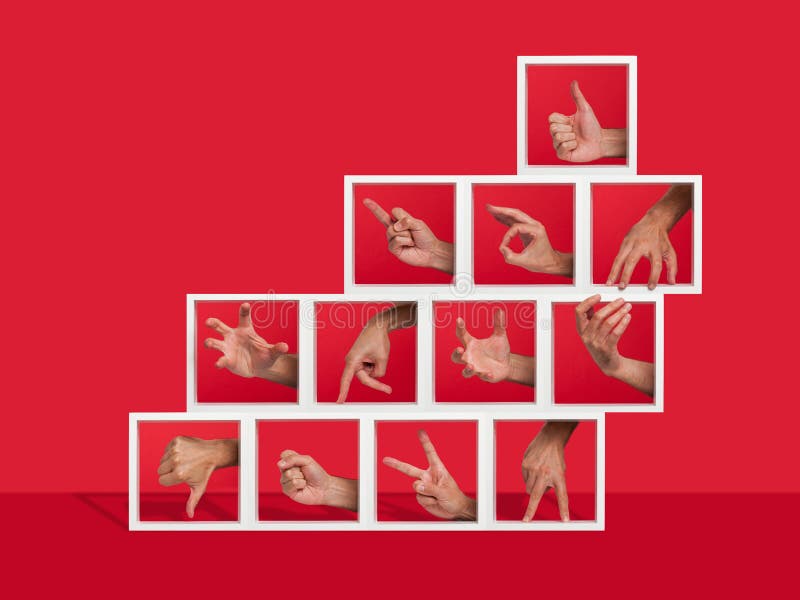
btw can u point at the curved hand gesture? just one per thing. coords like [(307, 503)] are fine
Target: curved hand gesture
[(437, 491), (601, 331), (410, 239), (244, 352), (578, 137), (488, 358)]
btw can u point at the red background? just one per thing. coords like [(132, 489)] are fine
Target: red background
[(432, 203), (333, 444), (338, 326), (449, 384), (142, 146), (274, 321), (160, 503), (552, 205), (576, 377), (511, 441), (456, 445), (615, 209), (603, 86)]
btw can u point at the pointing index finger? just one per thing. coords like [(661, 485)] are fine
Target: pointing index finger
[(380, 214)]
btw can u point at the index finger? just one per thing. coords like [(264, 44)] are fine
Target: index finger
[(559, 118), (344, 384), (461, 331), (428, 447), (536, 495), (582, 311), (405, 468), (379, 213), (507, 215)]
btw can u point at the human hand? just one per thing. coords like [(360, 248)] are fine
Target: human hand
[(488, 358), (543, 467), (306, 482), (244, 352), (649, 238), (411, 240), (580, 138), (437, 491), (538, 254), (600, 331), (192, 460), (367, 358)]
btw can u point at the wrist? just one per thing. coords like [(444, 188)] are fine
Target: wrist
[(522, 369), (283, 371), (614, 143), (226, 453), (468, 510), (442, 257), (342, 493), (561, 264), (559, 431)]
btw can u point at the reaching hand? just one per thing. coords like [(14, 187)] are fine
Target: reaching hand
[(538, 254), (580, 138), (437, 492), (488, 358), (411, 240), (367, 359), (601, 331), (543, 467), (306, 482), (245, 352), (649, 238), (192, 460)]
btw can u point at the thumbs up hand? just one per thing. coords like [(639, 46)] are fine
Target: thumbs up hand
[(580, 138)]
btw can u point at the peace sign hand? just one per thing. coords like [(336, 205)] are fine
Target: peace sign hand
[(437, 491)]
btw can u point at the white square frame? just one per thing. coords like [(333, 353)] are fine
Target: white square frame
[(696, 181), (368, 464), (523, 168)]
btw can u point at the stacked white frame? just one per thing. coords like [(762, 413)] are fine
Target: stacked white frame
[(367, 469)]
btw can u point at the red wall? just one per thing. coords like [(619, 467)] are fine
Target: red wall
[(176, 149)]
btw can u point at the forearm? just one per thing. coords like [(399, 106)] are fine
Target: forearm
[(672, 206), (400, 316), (227, 453), (637, 374), (523, 370), (563, 264), (559, 430), (283, 371), (443, 258), (615, 143), (342, 493)]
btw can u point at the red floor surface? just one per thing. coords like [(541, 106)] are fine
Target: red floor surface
[(655, 546)]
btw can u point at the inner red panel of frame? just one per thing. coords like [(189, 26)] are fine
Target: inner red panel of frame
[(456, 444), (615, 209), (577, 379), (551, 205), (511, 441), (275, 321), (603, 86), (432, 203), (159, 503), (337, 327), (333, 444), (449, 384)]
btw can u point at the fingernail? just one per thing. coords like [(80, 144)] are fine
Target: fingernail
[(627, 306), (281, 463)]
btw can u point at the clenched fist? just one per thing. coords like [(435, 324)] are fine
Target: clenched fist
[(306, 482)]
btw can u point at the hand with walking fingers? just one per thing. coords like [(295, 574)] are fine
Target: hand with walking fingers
[(579, 138), (437, 492), (244, 352), (648, 238), (487, 358), (192, 461), (411, 240), (305, 481), (543, 467), (367, 359)]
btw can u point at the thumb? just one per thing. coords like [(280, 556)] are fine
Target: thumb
[(577, 95), (196, 492)]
